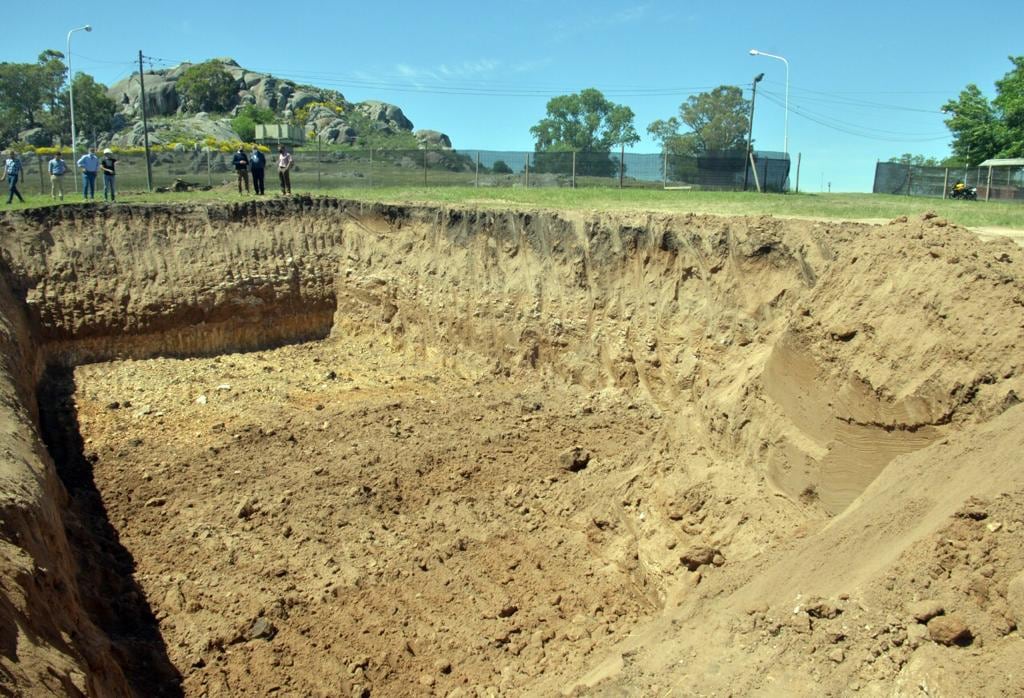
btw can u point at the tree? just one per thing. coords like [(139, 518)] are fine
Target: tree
[(501, 167), (585, 122), (1009, 102), (28, 91), (248, 116), (718, 122), (93, 110), (983, 129), (208, 87), (975, 125), (916, 160)]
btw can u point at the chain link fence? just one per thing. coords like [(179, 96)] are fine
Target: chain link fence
[(348, 168), (1001, 183)]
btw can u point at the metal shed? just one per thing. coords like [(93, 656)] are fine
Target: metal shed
[(1004, 179)]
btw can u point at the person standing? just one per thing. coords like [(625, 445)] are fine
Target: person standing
[(284, 168), (258, 165), (12, 168), (107, 165), (241, 163), (57, 168), (90, 165)]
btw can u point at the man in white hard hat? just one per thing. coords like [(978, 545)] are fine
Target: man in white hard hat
[(107, 165)]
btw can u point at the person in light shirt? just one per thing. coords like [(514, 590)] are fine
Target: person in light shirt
[(90, 165), (284, 168), (58, 168)]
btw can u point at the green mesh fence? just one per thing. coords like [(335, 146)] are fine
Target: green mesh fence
[(347, 168), (997, 183)]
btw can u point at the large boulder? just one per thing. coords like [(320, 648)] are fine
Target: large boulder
[(36, 136), (250, 79), (282, 96), (386, 114), (234, 70), (321, 114), (301, 98), (433, 139), (192, 129), (161, 95), (339, 132), (178, 70), (266, 93)]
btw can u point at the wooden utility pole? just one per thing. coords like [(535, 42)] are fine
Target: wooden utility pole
[(145, 126)]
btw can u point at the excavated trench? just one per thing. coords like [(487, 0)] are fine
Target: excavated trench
[(310, 445)]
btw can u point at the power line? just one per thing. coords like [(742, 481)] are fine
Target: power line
[(866, 104), (851, 124), (434, 83), (855, 129)]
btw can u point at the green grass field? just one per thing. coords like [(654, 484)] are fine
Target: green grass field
[(815, 206)]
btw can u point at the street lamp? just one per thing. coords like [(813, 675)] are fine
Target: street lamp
[(71, 90), (785, 136), (750, 127)]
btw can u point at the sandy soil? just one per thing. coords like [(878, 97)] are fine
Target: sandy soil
[(328, 519), (531, 453)]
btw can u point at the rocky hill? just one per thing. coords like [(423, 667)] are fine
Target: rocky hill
[(171, 118)]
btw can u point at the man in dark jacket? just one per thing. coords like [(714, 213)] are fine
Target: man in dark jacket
[(12, 168), (258, 165), (241, 163)]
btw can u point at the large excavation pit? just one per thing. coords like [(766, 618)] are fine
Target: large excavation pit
[(313, 447), (330, 517)]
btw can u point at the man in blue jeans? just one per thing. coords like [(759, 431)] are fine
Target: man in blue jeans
[(90, 165), (12, 169), (107, 165)]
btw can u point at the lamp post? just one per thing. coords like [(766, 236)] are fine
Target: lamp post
[(71, 92), (750, 128), (785, 133)]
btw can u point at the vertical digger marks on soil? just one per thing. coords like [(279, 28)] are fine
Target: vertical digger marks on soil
[(308, 446)]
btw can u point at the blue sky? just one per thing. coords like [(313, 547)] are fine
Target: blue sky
[(866, 81)]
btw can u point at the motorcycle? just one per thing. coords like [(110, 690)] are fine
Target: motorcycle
[(965, 193)]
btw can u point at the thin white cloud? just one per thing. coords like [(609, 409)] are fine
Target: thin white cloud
[(581, 25), (466, 69), (531, 66)]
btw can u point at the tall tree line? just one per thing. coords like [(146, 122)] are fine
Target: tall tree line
[(34, 101)]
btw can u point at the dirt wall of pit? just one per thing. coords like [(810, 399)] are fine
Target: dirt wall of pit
[(808, 355)]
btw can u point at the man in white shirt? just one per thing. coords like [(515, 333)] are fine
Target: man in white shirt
[(284, 168), (57, 168)]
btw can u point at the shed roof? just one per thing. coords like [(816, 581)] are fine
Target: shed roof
[(1003, 162)]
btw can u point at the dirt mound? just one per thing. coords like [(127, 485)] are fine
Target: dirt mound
[(527, 452)]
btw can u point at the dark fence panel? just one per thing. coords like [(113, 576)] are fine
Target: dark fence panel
[(1002, 183)]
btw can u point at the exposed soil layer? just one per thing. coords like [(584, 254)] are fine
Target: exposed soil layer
[(514, 454)]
